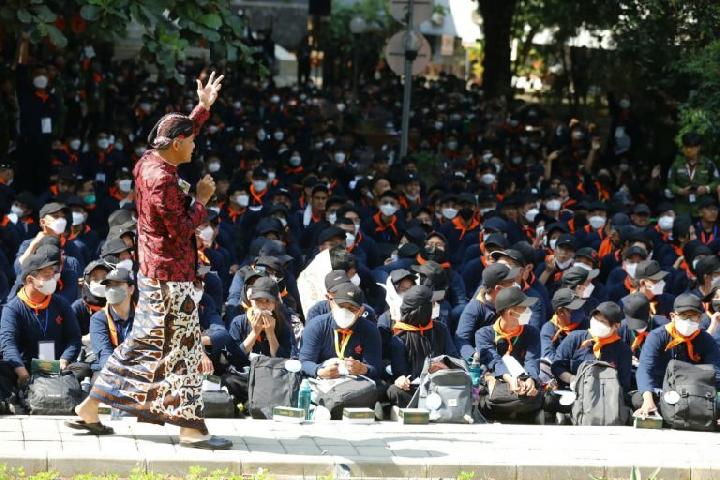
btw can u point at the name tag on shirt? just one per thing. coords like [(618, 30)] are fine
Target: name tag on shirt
[(184, 186), (46, 125), (100, 177), (46, 350)]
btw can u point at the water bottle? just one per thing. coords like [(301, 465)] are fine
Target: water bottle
[(475, 369), (85, 385), (304, 397)]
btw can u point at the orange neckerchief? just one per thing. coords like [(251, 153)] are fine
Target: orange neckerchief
[(233, 214), (599, 343), (202, 257), (42, 95), (561, 329), (112, 330), (639, 340), (628, 285), (678, 339), (457, 221), (258, 197), (665, 237), (381, 227), (603, 193), (115, 193), (606, 247), (73, 236), (93, 308), (507, 336), (341, 345), (36, 307), (405, 327), (294, 171), (600, 232), (422, 261)]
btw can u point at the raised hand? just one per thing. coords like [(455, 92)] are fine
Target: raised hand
[(208, 94)]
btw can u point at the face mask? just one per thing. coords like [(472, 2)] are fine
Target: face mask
[(260, 185), (452, 145), (438, 125), (355, 280), (339, 157), (553, 205), (115, 295), (716, 305), (127, 264), (17, 210), (349, 240), (516, 160), (295, 160), (206, 234), (89, 199), (275, 99), (715, 282), (631, 268), (239, 148), (357, 229), (563, 265), (624, 103), (657, 289), (587, 291), (599, 329), (46, 287), (487, 157), (343, 317), (278, 136), (488, 179), (330, 141), (75, 144), (261, 135), (103, 143), (524, 318), (666, 222), (552, 243), (271, 176), (596, 222), (58, 225), (139, 151), (40, 82), (125, 185), (435, 311), (388, 209), (78, 218), (531, 214), (332, 218), (449, 213), (213, 167), (242, 200), (686, 327), (97, 289)]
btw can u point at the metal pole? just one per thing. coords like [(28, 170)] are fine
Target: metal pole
[(408, 84)]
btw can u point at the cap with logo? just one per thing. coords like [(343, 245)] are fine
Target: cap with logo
[(512, 297)]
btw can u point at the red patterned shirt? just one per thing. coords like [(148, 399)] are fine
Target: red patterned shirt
[(166, 222)]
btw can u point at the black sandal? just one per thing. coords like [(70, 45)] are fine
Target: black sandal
[(96, 428)]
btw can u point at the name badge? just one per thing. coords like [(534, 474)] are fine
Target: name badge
[(46, 350), (46, 125), (184, 186)]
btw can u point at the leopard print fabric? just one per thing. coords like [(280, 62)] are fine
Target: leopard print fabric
[(155, 373)]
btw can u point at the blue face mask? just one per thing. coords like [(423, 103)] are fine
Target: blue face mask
[(90, 199)]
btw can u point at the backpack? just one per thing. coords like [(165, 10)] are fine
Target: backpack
[(451, 386), (218, 404), (344, 392), (695, 385), (271, 385), (600, 398), (497, 399), (53, 395)]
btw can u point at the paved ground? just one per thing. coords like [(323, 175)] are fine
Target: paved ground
[(380, 450)]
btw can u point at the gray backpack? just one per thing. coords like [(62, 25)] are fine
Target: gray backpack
[(451, 386), (695, 387), (600, 398)]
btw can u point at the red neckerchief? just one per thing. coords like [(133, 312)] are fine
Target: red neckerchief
[(380, 227), (54, 190), (233, 214)]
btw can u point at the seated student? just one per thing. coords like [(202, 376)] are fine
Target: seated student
[(341, 336), (113, 324), (262, 330), (36, 323), (416, 337), (550, 271), (581, 281), (569, 316), (515, 259), (681, 339), (400, 281), (600, 342), (480, 312), (621, 280), (92, 297), (332, 280), (432, 275), (638, 323), (511, 335), (651, 283)]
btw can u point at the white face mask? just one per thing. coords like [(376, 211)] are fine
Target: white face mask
[(357, 229), (516, 160), (435, 311), (261, 135), (57, 225), (596, 222), (115, 295), (715, 282), (260, 185), (278, 136), (657, 288), (666, 222), (355, 280), (563, 265), (78, 218), (388, 209), (46, 287), (552, 243), (213, 167), (343, 317), (40, 82), (75, 144), (599, 329), (103, 143), (97, 289), (582, 265), (239, 148), (349, 240), (271, 176), (631, 268), (488, 178), (449, 213), (587, 291), (127, 264), (531, 214), (17, 210), (242, 200), (524, 317), (332, 218), (295, 160), (206, 234), (125, 185), (339, 157), (553, 205), (686, 327)]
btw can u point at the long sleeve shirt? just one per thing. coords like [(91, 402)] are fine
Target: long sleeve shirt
[(475, 316), (100, 337), (526, 350), (399, 356), (21, 331), (166, 221), (239, 330)]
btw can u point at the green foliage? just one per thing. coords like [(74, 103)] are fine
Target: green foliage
[(465, 475), (376, 17), (171, 26), (635, 474)]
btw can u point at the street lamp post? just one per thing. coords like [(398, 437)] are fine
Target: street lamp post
[(358, 26), (412, 45)]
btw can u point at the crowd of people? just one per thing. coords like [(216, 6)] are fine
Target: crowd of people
[(507, 231)]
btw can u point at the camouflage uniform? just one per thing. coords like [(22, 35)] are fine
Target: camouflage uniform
[(705, 174)]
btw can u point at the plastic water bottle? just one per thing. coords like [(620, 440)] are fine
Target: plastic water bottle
[(475, 369), (85, 385), (304, 397)]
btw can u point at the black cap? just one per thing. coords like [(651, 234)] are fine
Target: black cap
[(52, 207), (565, 240), (96, 264), (707, 265), (637, 311), (335, 278), (114, 246), (691, 139), (50, 251), (512, 297), (641, 209), (649, 269), (496, 239), (259, 173), (396, 276), (574, 276), (634, 250), (271, 262), (511, 253), (127, 228), (432, 275), (707, 201), (119, 275), (687, 302), (497, 273), (36, 262), (264, 287), (566, 298), (347, 293), (497, 225), (329, 233), (274, 248), (319, 187), (416, 297), (587, 252), (268, 225), (610, 310)]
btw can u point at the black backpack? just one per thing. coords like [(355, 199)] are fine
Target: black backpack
[(271, 385), (218, 404), (695, 386), (53, 395)]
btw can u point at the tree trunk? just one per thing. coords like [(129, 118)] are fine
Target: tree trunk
[(497, 21)]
